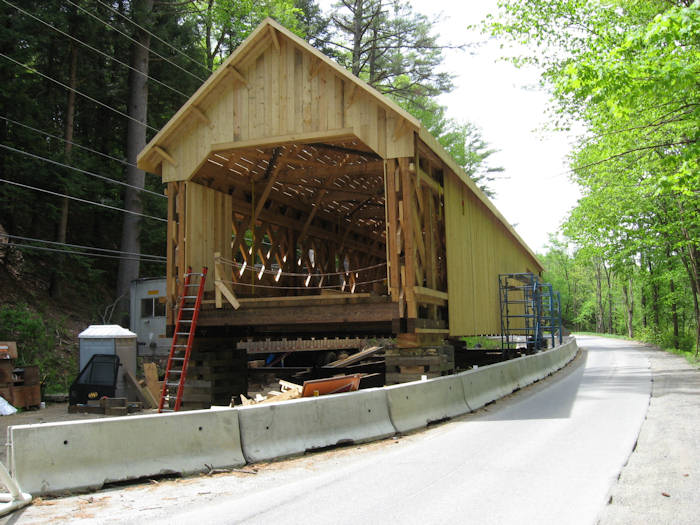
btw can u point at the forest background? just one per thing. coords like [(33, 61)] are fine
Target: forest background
[(87, 83)]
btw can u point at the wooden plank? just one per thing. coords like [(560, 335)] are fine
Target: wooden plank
[(354, 358), (143, 394), (201, 116), (430, 182), (238, 75), (273, 37), (303, 315), (227, 293), (165, 155), (291, 138), (409, 237), (150, 371)]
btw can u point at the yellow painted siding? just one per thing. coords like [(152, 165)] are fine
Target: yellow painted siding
[(479, 248), (208, 228)]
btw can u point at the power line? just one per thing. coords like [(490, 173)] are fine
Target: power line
[(157, 37), (42, 132), (135, 41), (83, 200), (71, 252), (106, 250), (30, 68), (91, 174), (106, 55)]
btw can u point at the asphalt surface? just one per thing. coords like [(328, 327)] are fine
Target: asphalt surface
[(551, 453)]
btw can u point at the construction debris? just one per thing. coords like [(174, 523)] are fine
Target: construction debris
[(331, 385), (286, 392)]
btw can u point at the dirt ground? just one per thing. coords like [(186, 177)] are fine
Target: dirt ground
[(52, 413)]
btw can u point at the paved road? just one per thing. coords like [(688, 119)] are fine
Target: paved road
[(547, 455)]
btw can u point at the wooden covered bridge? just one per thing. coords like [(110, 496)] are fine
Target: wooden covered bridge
[(321, 207)]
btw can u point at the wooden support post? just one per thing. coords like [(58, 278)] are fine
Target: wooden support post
[(221, 287), (409, 239)]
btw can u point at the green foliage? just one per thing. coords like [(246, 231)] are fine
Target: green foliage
[(487, 343), (390, 46), (629, 72), (463, 141), (37, 340)]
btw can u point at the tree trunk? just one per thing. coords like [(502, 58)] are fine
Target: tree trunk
[(674, 312), (644, 295), (61, 232), (608, 276), (628, 292), (655, 298), (600, 312), (358, 32), (137, 108)]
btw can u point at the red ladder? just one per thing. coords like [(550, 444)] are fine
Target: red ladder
[(176, 371)]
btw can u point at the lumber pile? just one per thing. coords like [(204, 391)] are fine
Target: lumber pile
[(21, 387), (286, 392)]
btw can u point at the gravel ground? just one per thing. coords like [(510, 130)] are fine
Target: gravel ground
[(661, 482)]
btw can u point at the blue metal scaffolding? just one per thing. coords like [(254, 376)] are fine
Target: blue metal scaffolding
[(530, 312)]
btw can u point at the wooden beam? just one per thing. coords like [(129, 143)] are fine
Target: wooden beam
[(201, 116), (280, 140), (315, 67), (400, 128), (430, 182), (350, 99), (238, 75), (274, 168), (392, 247), (164, 155), (228, 293), (273, 37), (409, 237), (426, 293)]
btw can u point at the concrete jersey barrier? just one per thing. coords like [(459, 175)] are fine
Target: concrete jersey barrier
[(486, 384), (415, 405), (282, 429), (53, 458)]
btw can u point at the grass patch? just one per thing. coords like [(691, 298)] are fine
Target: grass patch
[(487, 343)]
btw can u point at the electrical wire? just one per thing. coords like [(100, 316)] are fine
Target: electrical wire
[(134, 40), (91, 174), (83, 200), (46, 133), (156, 37), (106, 250), (71, 252), (106, 55), (30, 68)]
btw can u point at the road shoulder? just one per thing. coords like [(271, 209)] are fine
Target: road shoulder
[(661, 480)]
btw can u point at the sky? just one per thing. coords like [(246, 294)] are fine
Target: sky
[(534, 193)]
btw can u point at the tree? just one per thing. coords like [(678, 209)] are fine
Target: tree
[(391, 47), (223, 24), (629, 72)]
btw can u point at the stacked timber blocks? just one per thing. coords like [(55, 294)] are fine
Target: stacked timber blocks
[(410, 364), (18, 386), (217, 371)]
